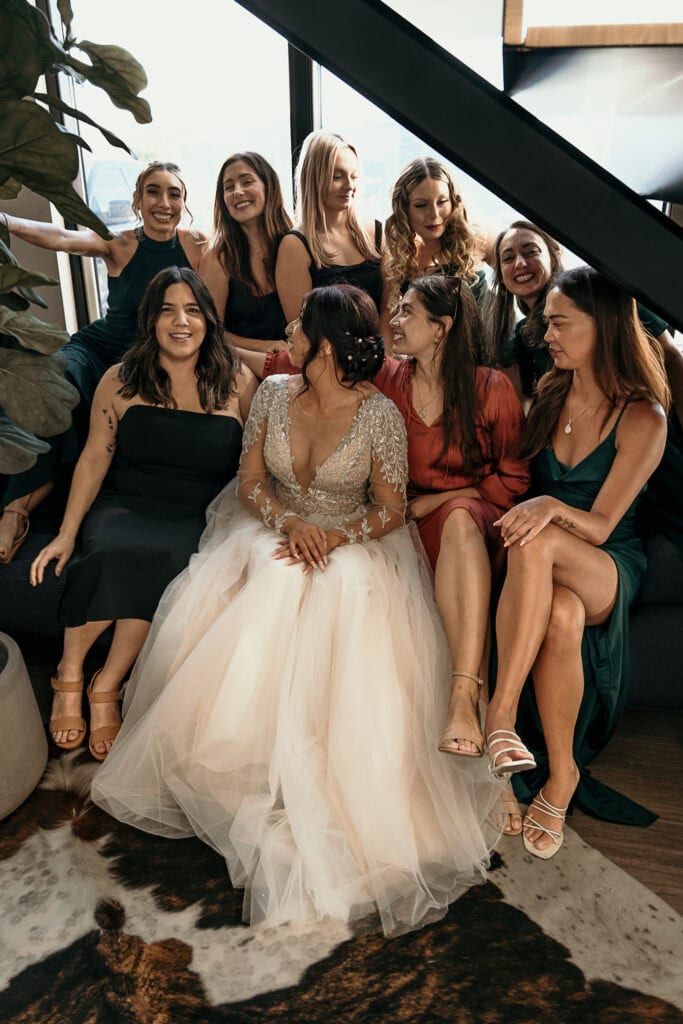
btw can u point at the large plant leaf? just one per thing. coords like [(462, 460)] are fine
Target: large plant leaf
[(33, 333), (32, 149), (18, 448), (11, 276), (34, 392), (117, 72), (16, 302), (72, 207), (28, 48), (10, 188), (28, 294), (56, 104)]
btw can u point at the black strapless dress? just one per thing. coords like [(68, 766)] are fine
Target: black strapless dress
[(148, 518)]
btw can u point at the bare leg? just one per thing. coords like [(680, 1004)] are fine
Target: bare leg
[(463, 592), (77, 642), (554, 556), (558, 684), (129, 636), (11, 525)]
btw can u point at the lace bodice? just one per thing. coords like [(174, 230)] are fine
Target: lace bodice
[(359, 487)]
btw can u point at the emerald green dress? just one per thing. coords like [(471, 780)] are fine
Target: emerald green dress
[(604, 650)]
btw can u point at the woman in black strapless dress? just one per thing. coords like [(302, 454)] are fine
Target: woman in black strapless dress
[(165, 437), (249, 221), (329, 245)]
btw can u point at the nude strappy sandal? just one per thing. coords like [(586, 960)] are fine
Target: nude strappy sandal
[(65, 723), (105, 732), (464, 733), (511, 744)]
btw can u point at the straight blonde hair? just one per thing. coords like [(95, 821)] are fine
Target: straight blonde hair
[(313, 179)]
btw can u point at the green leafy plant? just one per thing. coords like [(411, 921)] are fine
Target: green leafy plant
[(38, 152)]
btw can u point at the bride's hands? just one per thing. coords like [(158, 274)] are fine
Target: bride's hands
[(305, 542), (334, 538)]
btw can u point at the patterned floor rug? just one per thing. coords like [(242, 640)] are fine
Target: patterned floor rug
[(100, 924)]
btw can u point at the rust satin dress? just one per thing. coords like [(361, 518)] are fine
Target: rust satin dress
[(500, 425)]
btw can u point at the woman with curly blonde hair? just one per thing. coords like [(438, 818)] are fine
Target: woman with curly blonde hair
[(329, 244), (428, 233)]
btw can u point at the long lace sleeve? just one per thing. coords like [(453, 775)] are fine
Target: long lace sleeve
[(254, 487), (386, 509)]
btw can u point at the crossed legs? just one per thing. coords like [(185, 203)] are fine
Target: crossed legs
[(556, 584)]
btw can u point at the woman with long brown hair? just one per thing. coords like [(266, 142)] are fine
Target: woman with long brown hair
[(132, 258), (595, 434), (239, 267), (165, 431)]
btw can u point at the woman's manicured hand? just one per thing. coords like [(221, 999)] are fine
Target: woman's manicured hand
[(60, 548), (524, 521)]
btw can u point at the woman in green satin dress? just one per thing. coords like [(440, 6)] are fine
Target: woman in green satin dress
[(596, 432)]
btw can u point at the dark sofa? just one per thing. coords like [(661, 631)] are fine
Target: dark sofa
[(30, 614)]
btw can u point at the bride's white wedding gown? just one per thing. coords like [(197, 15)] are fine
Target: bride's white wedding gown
[(291, 721)]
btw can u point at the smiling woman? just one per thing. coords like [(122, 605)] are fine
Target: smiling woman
[(249, 223), (132, 258), (165, 431)]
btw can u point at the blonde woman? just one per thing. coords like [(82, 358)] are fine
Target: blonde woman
[(329, 244), (428, 233)]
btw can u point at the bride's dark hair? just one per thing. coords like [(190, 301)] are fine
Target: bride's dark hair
[(347, 317)]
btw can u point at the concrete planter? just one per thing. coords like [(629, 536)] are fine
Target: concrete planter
[(23, 750)]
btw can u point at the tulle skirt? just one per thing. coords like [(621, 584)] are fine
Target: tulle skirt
[(291, 721)]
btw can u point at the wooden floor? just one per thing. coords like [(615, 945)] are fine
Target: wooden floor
[(644, 761)]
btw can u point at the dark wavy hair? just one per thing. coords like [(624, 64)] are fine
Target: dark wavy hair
[(462, 348), (217, 361), (347, 317), (627, 366), (229, 240), (499, 315)]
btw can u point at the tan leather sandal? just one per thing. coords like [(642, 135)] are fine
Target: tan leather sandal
[(105, 732), (463, 732), (65, 723), (18, 540)]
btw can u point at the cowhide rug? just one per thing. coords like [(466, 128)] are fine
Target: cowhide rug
[(100, 923)]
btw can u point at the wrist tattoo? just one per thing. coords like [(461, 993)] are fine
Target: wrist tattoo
[(566, 524)]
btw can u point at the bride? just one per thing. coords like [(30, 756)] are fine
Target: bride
[(285, 704)]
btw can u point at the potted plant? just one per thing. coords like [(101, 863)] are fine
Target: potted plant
[(38, 152)]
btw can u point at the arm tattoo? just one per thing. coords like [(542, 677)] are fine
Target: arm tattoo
[(566, 524)]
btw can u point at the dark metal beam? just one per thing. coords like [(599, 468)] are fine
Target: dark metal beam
[(463, 117), (301, 117)]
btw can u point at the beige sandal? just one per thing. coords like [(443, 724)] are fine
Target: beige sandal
[(105, 732), (464, 733), (16, 544), (65, 723)]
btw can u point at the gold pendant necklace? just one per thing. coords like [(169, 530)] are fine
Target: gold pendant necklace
[(570, 422)]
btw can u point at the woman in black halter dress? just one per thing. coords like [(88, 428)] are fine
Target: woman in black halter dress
[(165, 437)]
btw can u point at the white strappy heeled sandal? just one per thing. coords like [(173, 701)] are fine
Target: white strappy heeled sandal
[(514, 746), (558, 813)]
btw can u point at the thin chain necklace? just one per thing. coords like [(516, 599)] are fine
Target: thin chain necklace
[(422, 405), (572, 419)]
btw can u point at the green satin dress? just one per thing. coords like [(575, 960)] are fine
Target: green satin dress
[(604, 650)]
